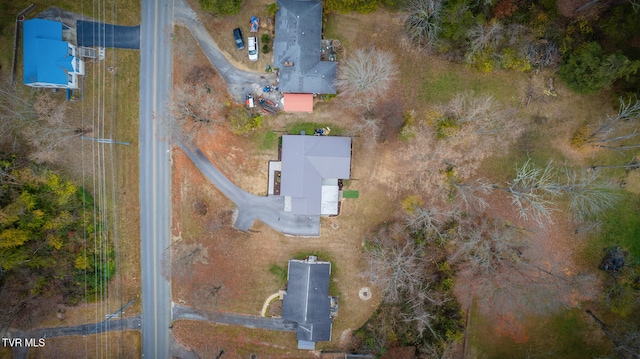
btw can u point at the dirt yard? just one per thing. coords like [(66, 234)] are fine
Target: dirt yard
[(112, 345), (231, 271)]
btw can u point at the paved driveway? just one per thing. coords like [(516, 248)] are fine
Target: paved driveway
[(269, 210), (90, 33), (249, 321)]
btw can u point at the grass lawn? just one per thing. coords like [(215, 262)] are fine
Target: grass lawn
[(569, 334), (620, 227), (309, 127), (126, 344)]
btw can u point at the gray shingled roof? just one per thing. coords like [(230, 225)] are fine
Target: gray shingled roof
[(297, 40), (306, 160), (307, 302)]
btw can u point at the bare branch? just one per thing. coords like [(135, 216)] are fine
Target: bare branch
[(422, 22), (366, 76)]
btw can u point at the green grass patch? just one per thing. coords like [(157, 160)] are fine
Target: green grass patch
[(440, 87), (265, 140), (620, 227), (569, 334), (280, 272), (350, 194), (331, 30), (309, 127), (533, 144)]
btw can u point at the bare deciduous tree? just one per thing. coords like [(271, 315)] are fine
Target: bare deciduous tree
[(399, 266), (52, 128), (484, 37), (185, 256), (532, 191), (488, 246), (535, 192), (193, 108), (625, 337), (471, 194), (543, 53), (483, 127), (16, 109), (39, 121), (481, 113), (422, 22), (366, 76), (431, 221), (588, 195), (614, 131), (396, 263)]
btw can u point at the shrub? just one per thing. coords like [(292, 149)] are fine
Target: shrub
[(272, 9), (265, 39), (265, 49), (510, 60), (446, 127), (410, 203), (242, 122)]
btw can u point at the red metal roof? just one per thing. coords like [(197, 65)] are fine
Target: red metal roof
[(298, 102)]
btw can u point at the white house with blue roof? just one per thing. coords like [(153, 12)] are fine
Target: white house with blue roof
[(48, 60)]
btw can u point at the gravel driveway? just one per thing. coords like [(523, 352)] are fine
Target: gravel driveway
[(238, 81)]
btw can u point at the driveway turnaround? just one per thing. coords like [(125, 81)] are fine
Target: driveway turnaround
[(90, 33), (269, 210), (155, 176), (239, 82)]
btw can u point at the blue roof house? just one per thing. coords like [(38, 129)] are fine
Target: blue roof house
[(48, 60)]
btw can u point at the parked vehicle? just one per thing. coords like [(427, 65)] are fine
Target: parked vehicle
[(249, 102), (237, 35), (253, 48)]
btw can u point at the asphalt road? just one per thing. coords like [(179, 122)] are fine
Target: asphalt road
[(155, 176), (239, 82)]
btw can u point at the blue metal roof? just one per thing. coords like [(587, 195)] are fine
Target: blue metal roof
[(46, 56)]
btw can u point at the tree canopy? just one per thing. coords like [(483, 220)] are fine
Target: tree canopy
[(49, 243)]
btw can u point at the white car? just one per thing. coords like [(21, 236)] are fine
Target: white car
[(253, 48)]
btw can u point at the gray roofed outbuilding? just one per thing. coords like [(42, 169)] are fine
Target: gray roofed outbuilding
[(306, 161), (307, 301), (296, 49)]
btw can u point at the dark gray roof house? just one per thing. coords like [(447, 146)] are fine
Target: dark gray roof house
[(296, 49), (311, 168), (306, 301)]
